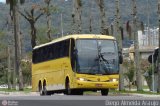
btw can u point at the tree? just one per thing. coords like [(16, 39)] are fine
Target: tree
[(14, 16), (3, 58), (90, 16), (48, 13), (48, 10), (32, 20), (41, 35), (130, 72), (119, 40), (159, 47), (101, 5), (76, 16), (26, 68), (147, 72), (136, 48)]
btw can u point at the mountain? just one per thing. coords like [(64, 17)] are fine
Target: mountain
[(64, 7)]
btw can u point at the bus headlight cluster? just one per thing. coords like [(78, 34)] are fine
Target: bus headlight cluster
[(81, 79), (113, 80)]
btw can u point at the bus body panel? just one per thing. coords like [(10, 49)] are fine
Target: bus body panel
[(55, 72), (96, 81)]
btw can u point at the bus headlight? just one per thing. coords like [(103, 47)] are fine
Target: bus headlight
[(113, 80), (81, 79)]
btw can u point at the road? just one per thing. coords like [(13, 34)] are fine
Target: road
[(33, 99)]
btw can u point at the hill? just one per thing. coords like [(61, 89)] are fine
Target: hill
[(65, 8)]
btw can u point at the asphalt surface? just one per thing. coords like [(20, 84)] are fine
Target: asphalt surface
[(85, 100)]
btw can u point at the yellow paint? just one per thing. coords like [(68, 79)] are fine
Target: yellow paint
[(56, 71)]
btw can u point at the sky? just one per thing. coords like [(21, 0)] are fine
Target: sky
[(3, 1)]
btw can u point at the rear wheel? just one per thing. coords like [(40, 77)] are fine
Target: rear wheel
[(40, 89), (44, 90), (104, 92)]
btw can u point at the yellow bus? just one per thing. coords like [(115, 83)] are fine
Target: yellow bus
[(76, 63)]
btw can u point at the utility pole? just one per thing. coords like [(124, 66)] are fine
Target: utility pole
[(119, 39), (136, 49), (158, 90)]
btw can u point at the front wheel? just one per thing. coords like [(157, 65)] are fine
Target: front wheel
[(104, 92), (68, 90)]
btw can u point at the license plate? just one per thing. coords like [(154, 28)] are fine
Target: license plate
[(98, 85)]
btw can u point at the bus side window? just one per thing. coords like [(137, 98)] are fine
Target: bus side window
[(63, 48), (66, 48), (53, 51), (50, 52), (56, 50), (72, 54), (34, 56), (39, 54)]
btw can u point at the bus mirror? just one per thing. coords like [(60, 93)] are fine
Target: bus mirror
[(120, 58)]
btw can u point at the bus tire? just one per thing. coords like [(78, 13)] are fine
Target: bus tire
[(40, 88), (45, 92), (104, 92), (67, 87)]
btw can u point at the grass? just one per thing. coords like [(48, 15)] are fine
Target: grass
[(125, 92), (26, 90), (134, 92)]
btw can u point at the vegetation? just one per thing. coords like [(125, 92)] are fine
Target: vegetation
[(147, 72), (56, 21), (129, 75)]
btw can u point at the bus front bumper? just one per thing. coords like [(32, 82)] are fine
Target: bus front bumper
[(96, 85)]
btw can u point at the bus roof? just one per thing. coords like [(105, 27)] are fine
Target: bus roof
[(76, 36)]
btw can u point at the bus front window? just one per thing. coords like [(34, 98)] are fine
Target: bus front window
[(97, 56)]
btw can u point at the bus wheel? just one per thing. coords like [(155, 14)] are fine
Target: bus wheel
[(104, 92), (40, 89), (44, 90), (68, 90)]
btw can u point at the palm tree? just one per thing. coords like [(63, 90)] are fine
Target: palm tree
[(29, 16), (14, 16), (76, 15), (101, 5)]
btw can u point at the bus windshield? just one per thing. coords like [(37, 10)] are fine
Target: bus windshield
[(97, 56)]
